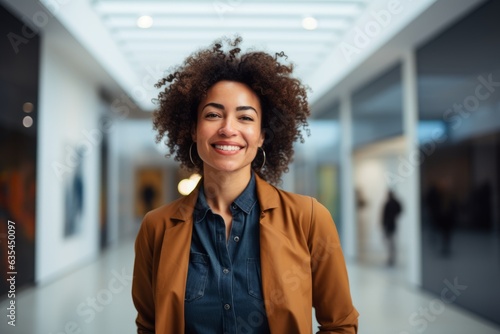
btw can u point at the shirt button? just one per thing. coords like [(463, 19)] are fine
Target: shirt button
[(227, 307), (236, 238), (225, 270), (234, 206)]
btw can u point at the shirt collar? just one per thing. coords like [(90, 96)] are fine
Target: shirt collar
[(201, 208), (248, 197), (245, 201)]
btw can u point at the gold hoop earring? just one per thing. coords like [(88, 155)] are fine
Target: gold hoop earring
[(190, 154), (264, 162)]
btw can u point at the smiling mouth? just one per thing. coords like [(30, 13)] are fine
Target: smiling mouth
[(227, 147)]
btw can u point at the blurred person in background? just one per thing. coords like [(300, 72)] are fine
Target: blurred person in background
[(392, 209), (238, 254)]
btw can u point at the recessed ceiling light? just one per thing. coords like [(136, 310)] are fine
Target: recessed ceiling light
[(28, 107), (309, 23), (145, 21), (27, 121)]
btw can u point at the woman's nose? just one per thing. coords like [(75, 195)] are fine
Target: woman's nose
[(227, 129)]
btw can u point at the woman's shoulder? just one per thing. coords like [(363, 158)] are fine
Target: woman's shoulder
[(292, 197), (296, 200), (304, 205), (297, 204), (297, 213)]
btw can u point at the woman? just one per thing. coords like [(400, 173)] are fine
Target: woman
[(237, 255)]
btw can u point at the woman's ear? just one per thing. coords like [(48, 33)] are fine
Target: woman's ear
[(262, 138)]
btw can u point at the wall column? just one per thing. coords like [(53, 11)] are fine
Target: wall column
[(410, 126), (348, 201)]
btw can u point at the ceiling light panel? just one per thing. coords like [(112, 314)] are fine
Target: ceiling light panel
[(207, 37), (194, 22)]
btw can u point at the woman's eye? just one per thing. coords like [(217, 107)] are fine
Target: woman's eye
[(211, 115), (246, 118)]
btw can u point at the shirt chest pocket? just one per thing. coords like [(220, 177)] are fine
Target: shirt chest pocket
[(197, 276), (254, 278)]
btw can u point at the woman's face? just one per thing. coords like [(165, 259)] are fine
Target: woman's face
[(228, 132)]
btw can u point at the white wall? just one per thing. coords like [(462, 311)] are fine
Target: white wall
[(69, 106)]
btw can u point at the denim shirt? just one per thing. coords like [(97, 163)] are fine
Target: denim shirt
[(224, 288)]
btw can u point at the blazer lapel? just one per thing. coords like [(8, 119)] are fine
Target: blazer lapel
[(274, 247)]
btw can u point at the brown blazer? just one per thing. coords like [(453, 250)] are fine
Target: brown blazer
[(301, 263)]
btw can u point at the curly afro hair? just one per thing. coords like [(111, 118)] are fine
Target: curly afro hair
[(283, 100)]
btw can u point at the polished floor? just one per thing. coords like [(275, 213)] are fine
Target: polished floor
[(96, 299)]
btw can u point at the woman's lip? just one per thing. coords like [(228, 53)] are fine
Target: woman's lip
[(229, 143), (226, 148)]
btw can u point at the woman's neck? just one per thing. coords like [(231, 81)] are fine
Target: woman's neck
[(221, 188)]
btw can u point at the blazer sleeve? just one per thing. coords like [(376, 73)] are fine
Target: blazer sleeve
[(331, 295), (142, 287)]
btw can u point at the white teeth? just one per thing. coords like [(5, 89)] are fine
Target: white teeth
[(227, 147)]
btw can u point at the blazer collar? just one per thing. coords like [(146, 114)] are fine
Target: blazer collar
[(267, 194)]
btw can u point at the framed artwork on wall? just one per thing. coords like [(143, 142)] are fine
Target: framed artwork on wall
[(149, 192)]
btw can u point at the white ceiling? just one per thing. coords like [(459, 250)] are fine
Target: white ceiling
[(181, 27)]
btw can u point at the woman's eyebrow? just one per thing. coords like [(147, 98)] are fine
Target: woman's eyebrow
[(221, 107), (243, 108), (215, 105)]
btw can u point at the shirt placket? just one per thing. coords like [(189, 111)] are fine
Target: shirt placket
[(226, 279)]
